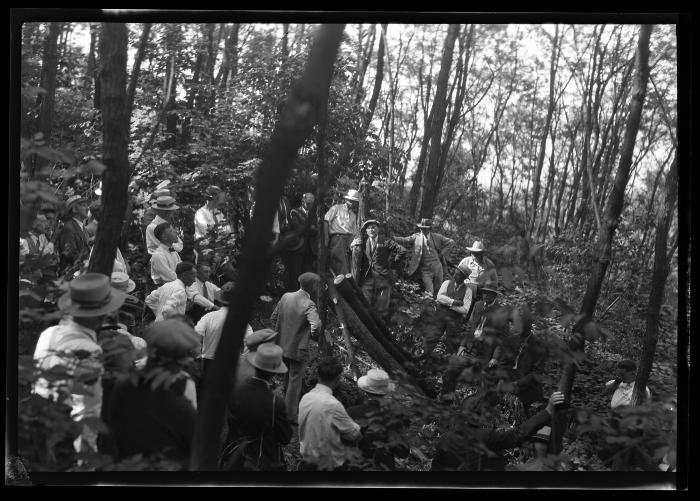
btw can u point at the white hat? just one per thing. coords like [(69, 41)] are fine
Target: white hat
[(377, 382), (352, 195), (121, 281), (477, 247)]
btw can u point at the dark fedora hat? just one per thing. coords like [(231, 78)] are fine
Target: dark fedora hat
[(425, 223)]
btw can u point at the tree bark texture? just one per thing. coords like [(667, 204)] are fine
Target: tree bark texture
[(115, 131), (305, 105), (137, 66), (658, 283), (427, 201)]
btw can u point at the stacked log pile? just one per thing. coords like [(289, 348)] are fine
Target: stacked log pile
[(358, 319)]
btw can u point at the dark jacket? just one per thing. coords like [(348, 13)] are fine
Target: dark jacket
[(438, 242), (305, 231), (71, 243), (379, 261), (379, 446), (256, 413), (146, 422), (295, 319), (452, 454)]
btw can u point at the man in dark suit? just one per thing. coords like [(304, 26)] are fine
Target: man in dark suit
[(302, 245), (371, 265), (296, 320), (72, 241), (428, 255)]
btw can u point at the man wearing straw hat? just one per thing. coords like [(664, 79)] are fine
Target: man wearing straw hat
[(372, 255), (257, 416), (149, 213), (164, 208), (72, 240), (479, 324), (369, 415), (339, 228), (72, 345), (428, 255), (480, 267)]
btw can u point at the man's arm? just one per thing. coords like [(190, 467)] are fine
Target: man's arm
[(409, 240), (152, 300), (313, 318), (348, 429), (443, 298), (197, 298), (275, 316), (611, 386)]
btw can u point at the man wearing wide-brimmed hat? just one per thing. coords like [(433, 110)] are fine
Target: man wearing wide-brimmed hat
[(428, 255), (372, 416), (257, 416), (72, 240), (209, 216), (480, 267), (71, 347), (339, 228), (149, 213), (372, 255), (164, 208)]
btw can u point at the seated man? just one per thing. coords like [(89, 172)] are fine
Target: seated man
[(379, 429), (171, 299), (622, 386)]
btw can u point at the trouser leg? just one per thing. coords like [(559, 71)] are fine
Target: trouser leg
[(433, 332), (454, 368), (368, 289), (383, 296), (427, 279), (293, 394), (340, 254)]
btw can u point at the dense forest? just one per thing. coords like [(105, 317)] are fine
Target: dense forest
[(556, 145)]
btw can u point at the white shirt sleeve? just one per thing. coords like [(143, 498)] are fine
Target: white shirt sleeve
[(160, 268), (442, 296), (175, 303), (152, 300)]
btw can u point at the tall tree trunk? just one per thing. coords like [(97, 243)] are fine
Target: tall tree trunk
[(377, 83), (91, 62), (302, 111), (548, 121), (363, 64), (115, 132), (427, 200), (562, 186), (49, 67), (664, 220), (137, 67), (613, 209), (285, 41)]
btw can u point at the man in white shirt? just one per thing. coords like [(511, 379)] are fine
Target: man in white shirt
[(164, 258), (323, 422), (622, 387), (340, 227), (163, 207), (210, 327), (203, 291), (171, 298), (89, 299), (209, 216)]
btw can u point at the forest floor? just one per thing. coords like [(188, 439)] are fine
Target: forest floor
[(597, 368)]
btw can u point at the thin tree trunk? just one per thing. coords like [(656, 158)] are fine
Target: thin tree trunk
[(302, 111), (658, 284), (548, 121), (377, 82), (613, 210), (49, 67), (137, 67), (115, 132)]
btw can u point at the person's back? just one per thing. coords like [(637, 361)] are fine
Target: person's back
[(324, 423), (146, 421)]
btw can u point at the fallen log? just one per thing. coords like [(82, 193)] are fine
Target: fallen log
[(344, 287)]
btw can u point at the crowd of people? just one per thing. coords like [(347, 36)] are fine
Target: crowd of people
[(186, 303)]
